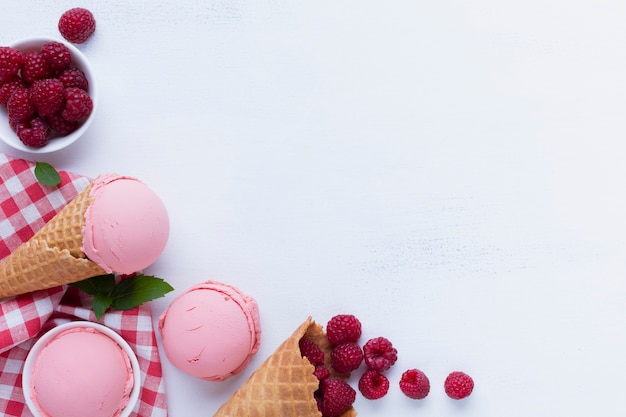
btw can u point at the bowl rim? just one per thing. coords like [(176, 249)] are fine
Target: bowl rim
[(79, 60), (45, 338)]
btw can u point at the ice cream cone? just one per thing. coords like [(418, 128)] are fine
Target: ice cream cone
[(53, 256), (284, 384)]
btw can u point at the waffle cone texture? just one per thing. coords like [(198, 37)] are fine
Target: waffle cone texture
[(284, 384), (53, 256)]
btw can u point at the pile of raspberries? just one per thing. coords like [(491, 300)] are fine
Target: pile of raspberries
[(335, 396), (44, 94)]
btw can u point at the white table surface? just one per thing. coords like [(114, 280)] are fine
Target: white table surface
[(451, 172)]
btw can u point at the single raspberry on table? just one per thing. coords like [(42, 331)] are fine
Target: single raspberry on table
[(311, 351), (78, 104), (346, 357), (35, 67), (36, 135), (7, 89), (58, 55), (334, 397), (379, 354), (77, 25), (47, 96), (373, 385), (415, 384), (20, 107), (458, 385), (74, 77), (343, 328), (11, 61)]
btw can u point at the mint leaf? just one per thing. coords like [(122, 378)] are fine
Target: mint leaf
[(46, 174), (102, 284), (128, 294), (101, 302), (134, 291)]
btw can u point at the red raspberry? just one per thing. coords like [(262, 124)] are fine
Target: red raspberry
[(59, 126), (334, 397), (321, 371), (47, 96), (17, 126), (373, 385), (311, 351), (379, 354), (78, 104), (20, 107), (58, 55), (343, 328), (458, 385), (10, 63), (7, 89), (35, 67), (74, 77), (35, 136), (346, 357), (77, 25), (415, 384)]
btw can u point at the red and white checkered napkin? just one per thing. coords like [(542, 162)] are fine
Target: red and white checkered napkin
[(25, 206)]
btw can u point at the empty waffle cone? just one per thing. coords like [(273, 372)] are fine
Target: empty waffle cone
[(53, 256), (284, 384)]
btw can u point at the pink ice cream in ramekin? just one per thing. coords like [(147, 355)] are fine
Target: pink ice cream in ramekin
[(211, 331), (126, 225), (81, 372)]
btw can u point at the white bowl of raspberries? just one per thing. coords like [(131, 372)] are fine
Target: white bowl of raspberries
[(48, 94)]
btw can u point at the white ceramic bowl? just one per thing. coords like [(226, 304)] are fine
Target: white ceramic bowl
[(43, 340), (79, 60)]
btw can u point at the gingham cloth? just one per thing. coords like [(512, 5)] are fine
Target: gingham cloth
[(25, 206)]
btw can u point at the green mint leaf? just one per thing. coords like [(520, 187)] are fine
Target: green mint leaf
[(46, 174), (134, 291), (102, 284), (101, 302)]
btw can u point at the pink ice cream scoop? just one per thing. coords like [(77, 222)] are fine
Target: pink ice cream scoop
[(126, 225), (211, 331), (81, 372)]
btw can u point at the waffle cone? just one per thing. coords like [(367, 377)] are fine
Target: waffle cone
[(284, 384), (53, 256)]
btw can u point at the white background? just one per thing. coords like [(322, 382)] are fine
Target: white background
[(451, 172)]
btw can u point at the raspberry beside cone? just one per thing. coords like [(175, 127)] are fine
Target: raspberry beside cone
[(53, 256), (284, 384)]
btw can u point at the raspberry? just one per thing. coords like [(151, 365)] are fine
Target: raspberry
[(58, 55), (321, 371), (415, 384), (458, 385), (20, 107), (60, 126), (379, 354), (78, 104), (373, 385), (35, 67), (47, 96), (311, 351), (35, 136), (74, 77), (334, 397), (10, 63), (17, 126), (7, 89), (343, 328), (77, 25), (346, 357)]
